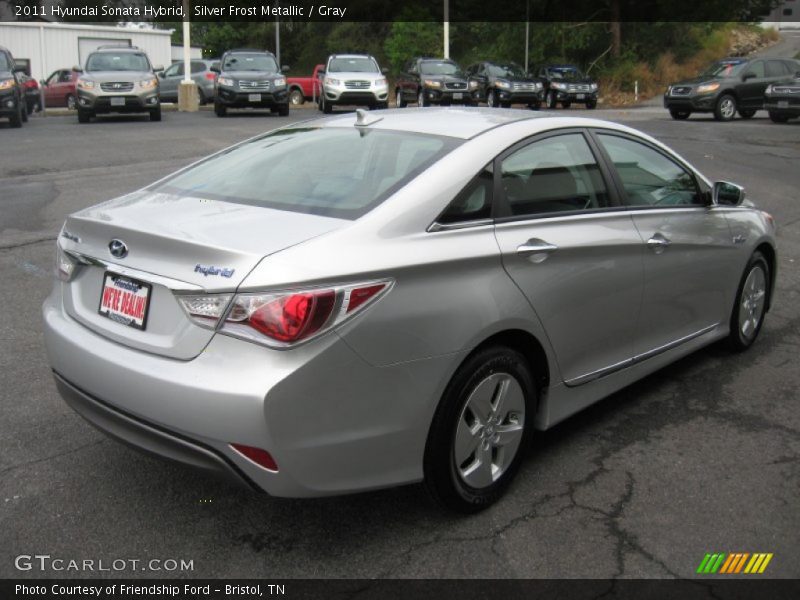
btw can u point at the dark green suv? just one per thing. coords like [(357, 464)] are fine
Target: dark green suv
[(728, 86)]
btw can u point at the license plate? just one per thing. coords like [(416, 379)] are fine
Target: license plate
[(125, 300), (458, 96), (254, 97), (118, 102), (783, 104), (581, 96)]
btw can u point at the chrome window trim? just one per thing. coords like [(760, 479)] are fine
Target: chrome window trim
[(436, 226)]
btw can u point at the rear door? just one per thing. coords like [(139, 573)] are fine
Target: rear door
[(169, 82), (755, 81), (571, 249), (688, 243)]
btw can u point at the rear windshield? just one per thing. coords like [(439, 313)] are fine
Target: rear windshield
[(117, 61), (250, 62), (353, 65), (334, 172)]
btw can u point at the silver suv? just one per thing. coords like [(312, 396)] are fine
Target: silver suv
[(118, 79), (353, 79)]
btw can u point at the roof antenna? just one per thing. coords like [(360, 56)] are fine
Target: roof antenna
[(364, 119)]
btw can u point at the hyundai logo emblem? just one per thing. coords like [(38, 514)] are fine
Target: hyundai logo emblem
[(117, 86), (118, 248)]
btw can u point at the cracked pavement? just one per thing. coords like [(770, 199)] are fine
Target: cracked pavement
[(703, 456)]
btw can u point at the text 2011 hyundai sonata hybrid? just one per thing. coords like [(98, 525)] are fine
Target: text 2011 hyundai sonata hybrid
[(370, 300)]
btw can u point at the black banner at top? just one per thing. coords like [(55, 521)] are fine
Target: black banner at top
[(388, 10)]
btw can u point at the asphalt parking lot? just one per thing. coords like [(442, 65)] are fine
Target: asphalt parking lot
[(701, 457)]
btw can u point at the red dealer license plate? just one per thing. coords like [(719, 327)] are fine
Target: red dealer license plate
[(125, 300)]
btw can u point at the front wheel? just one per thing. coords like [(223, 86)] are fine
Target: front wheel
[(591, 104), (491, 99), (421, 100), (535, 105), (725, 109), (71, 104), (283, 110), (155, 114), (16, 119), (679, 115), (551, 99), (777, 117), (220, 109), (480, 430), (84, 116), (325, 106), (751, 304), (566, 104), (24, 112)]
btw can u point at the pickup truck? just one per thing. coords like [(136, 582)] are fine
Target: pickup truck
[(304, 88)]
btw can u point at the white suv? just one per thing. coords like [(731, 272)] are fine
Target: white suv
[(353, 79)]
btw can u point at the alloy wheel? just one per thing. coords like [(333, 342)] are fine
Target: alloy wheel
[(751, 307), (727, 108), (489, 431)]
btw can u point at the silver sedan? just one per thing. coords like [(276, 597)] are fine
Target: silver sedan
[(375, 299)]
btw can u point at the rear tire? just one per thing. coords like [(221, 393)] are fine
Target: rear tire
[(84, 116), (751, 304), (220, 109), (679, 115), (71, 103), (399, 100), (296, 97), (155, 114), (777, 117), (480, 431), (725, 108)]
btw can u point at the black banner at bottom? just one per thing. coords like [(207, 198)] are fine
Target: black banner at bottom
[(418, 589)]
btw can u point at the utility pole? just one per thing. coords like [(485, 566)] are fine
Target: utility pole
[(278, 38), (188, 99), (527, 30), (447, 28)]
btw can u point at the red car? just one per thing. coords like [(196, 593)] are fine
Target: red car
[(59, 89), (304, 88)]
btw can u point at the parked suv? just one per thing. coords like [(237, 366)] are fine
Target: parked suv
[(504, 84), (12, 99), (567, 84), (353, 79), (783, 100), (202, 75), (728, 86), (429, 81), (250, 79), (117, 79)]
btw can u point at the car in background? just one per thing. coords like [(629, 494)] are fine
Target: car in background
[(60, 89), (783, 100), (33, 98), (567, 84), (250, 78), (12, 94), (117, 79), (428, 81), (728, 86), (371, 300), (353, 80), (504, 84), (202, 75), (302, 89)]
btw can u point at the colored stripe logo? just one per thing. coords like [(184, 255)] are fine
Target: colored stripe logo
[(734, 563)]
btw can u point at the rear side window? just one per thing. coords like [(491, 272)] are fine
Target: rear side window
[(757, 69), (776, 68), (557, 174), (650, 178), (333, 171), (473, 203), (198, 67)]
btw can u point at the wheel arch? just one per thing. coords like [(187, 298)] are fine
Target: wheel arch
[(768, 251)]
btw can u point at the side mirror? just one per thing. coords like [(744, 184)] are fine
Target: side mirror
[(77, 69), (385, 71), (214, 68), (727, 194), (285, 68), (158, 68)]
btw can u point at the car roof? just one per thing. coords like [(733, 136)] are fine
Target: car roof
[(464, 123), (350, 56), (113, 48)]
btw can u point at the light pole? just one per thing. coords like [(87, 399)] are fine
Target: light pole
[(527, 31)]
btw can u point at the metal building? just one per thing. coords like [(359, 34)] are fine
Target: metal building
[(51, 46)]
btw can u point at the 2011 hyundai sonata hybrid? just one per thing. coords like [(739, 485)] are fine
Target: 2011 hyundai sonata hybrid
[(370, 300)]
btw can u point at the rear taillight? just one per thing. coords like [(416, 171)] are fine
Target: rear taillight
[(211, 76), (283, 319)]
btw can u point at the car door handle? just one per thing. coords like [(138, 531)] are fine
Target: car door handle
[(537, 250), (658, 243)]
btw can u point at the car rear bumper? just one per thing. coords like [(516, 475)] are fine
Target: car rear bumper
[(332, 422), (236, 99)]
